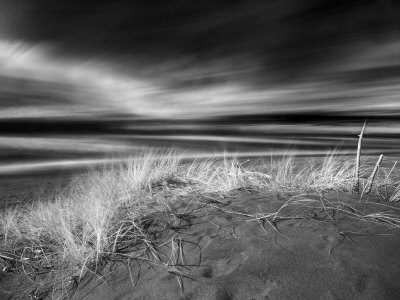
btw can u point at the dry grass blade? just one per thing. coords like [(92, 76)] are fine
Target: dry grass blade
[(395, 195)]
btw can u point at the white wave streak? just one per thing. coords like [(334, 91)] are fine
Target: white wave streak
[(71, 164)]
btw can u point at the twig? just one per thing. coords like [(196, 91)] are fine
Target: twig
[(372, 177), (356, 186), (8, 258)]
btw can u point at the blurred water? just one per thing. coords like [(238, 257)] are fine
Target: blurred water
[(47, 125), (37, 145), (247, 78)]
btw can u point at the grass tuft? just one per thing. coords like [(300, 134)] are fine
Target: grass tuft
[(118, 210)]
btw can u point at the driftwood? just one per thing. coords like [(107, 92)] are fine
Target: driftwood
[(372, 177), (356, 186)]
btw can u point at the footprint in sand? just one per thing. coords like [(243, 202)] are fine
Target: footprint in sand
[(361, 283), (206, 272), (226, 266), (223, 267)]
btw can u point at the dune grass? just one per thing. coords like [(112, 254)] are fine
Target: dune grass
[(117, 210)]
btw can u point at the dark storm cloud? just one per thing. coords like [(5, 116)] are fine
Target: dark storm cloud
[(286, 37)]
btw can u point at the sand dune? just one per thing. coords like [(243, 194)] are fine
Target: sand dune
[(229, 256)]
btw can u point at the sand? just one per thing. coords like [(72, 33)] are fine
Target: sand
[(230, 256), (17, 189)]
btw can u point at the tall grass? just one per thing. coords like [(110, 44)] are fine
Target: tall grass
[(71, 232), (106, 212), (288, 176)]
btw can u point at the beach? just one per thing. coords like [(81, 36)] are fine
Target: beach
[(239, 242)]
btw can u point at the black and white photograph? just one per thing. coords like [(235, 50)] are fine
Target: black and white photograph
[(206, 150)]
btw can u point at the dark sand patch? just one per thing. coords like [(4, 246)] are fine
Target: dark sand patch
[(17, 190), (230, 256)]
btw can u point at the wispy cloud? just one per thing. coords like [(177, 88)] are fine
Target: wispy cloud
[(101, 86), (82, 86)]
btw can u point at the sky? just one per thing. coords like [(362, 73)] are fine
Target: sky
[(164, 58), (283, 37), (205, 70)]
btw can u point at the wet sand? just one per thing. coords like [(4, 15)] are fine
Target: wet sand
[(20, 189)]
